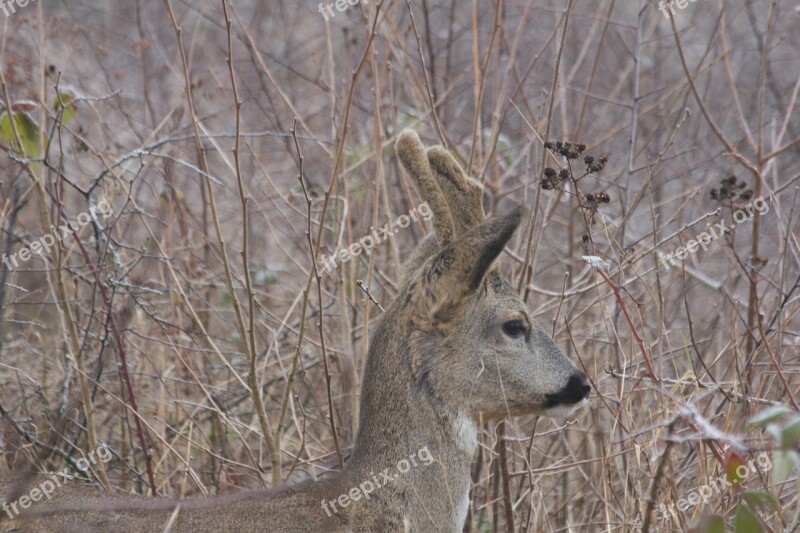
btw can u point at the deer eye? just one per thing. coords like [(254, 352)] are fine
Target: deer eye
[(515, 328)]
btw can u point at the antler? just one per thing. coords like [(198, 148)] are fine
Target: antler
[(415, 160), (464, 195), (455, 199)]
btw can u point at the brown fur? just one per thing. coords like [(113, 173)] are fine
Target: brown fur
[(440, 356)]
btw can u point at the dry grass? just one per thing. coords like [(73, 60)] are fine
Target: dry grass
[(202, 282)]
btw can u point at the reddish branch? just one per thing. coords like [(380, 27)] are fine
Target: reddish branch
[(123, 360), (635, 333)]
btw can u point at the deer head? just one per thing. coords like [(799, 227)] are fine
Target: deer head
[(473, 342)]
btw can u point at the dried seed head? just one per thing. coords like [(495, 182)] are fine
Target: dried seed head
[(551, 179)]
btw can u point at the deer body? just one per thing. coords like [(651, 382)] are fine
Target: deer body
[(456, 343)]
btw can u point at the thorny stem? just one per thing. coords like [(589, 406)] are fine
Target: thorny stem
[(326, 202), (63, 302), (651, 500), (123, 361), (633, 329), (753, 299), (553, 89), (247, 333), (317, 277)]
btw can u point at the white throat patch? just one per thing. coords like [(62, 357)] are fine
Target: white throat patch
[(461, 512), (466, 433)]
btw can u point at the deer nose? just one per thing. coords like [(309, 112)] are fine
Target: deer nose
[(576, 390)]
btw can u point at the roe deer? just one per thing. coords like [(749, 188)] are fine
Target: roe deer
[(457, 342)]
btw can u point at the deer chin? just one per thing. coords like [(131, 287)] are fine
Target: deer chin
[(564, 410), (560, 410)]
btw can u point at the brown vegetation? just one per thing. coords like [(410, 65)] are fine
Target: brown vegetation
[(239, 143)]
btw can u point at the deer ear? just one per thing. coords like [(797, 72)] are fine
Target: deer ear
[(457, 271)]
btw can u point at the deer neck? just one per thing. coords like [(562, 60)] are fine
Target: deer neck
[(404, 422)]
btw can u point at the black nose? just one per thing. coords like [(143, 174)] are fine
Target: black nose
[(576, 389)]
